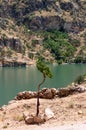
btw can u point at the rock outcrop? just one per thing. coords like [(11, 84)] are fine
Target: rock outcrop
[(13, 43), (6, 63), (46, 23), (63, 92), (25, 12)]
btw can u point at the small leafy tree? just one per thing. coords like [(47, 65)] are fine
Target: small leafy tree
[(44, 69)]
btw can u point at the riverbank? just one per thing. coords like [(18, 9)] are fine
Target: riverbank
[(67, 110), (25, 61)]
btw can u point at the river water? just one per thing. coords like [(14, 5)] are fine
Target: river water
[(14, 80)]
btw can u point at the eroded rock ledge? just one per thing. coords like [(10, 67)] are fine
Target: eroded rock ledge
[(13, 64), (50, 93)]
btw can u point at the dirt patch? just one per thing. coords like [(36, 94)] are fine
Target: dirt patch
[(68, 110)]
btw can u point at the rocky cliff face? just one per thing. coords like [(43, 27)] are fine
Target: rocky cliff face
[(47, 14), (13, 43), (63, 15)]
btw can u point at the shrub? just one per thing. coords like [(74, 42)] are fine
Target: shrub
[(59, 61), (79, 79)]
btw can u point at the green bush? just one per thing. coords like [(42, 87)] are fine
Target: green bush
[(59, 61), (79, 79), (80, 59), (75, 42)]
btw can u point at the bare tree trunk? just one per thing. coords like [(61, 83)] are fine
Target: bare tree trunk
[(38, 103)]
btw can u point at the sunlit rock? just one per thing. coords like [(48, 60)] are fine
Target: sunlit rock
[(48, 114)]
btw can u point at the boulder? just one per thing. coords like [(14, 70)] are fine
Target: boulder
[(39, 119), (30, 119), (54, 91), (48, 94), (26, 95), (63, 92), (81, 89)]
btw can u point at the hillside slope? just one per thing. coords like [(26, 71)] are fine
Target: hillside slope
[(35, 28)]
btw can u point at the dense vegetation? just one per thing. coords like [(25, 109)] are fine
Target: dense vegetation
[(58, 44)]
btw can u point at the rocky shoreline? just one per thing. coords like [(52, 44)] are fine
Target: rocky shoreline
[(50, 93), (14, 63), (21, 111)]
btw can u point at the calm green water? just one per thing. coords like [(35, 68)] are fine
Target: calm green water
[(14, 80)]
